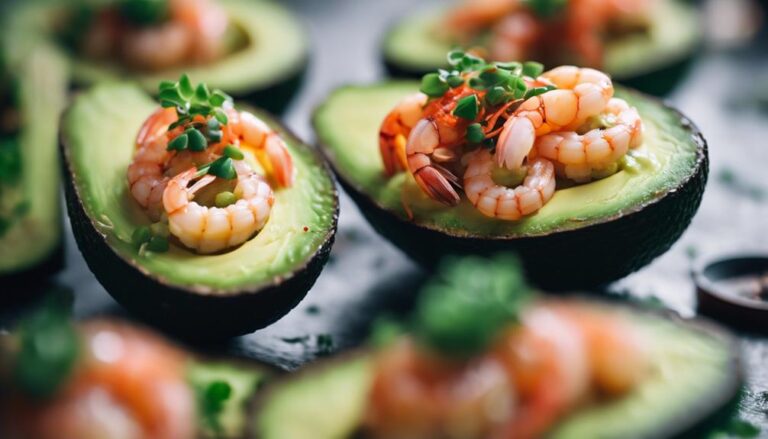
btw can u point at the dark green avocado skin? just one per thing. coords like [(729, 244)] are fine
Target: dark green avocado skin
[(182, 312), (659, 82), (585, 258), (280, 94), (31, 282)]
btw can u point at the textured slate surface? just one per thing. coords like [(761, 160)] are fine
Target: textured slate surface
[(366, 275)]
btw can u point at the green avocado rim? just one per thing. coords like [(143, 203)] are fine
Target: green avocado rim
[(697, 339), (357, 163), (410, 44), (296, 237), (253, 68)]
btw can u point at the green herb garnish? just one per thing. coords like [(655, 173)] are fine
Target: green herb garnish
[(502, 82), (461, 311), (152, 238), (546, 8), (144, 12), (467, 107), (433, 85), (49, 346), (211, 399), (191, 103), (475, 133), (10, 161), (222, 167)]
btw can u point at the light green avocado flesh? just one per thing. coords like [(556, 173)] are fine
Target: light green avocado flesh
[(688, 366), (415, 44), (244, 380), (347, 127), (32, 237), (99, 131), (275, 47)]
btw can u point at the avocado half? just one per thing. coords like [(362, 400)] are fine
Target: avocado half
[(697, 375), (653, 63), (266, 68), (206, 296), (32, 248), (246, 380), (584, 236)]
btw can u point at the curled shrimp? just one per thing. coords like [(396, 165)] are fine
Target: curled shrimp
[(127, 384), (514, 36), (416, 396), (146, 173), (193, 32), (206, 22), (250, 132), (581, 93), (212, 229), (547, 361), (497, 201), (435, 145), (581, 154), (559, 356), (473, 15), (395, 130)]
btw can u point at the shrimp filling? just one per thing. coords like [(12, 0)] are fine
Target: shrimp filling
[(188, 31), (492, 361), (551, 31), (192, 176), (484, 118)]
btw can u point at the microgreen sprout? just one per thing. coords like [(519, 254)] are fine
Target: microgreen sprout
[(546, 8), (461, 311), (200, 111), (499, 82), (222, 167), (48, 349), (211, 399), (153, 238)]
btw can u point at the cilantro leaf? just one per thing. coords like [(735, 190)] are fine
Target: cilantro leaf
[(211, 399), (49, 347), (461, 310)]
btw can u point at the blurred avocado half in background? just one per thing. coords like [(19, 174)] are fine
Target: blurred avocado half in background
[(653, 60), (264, 56), (32, 95)]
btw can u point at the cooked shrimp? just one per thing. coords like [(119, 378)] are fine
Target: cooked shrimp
[(416, 396), (157, 47), (146, 178), (435, 144), (581, 93), (502, 202), (473, 15), (128, 384), (514, 36), (617, 351), (252, 133), (580, 154), (206, 23), (156, 125), (212, 229), (395, 130), (546, 358), (193, 33)]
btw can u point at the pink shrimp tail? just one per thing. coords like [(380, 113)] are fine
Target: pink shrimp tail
[(280, 159)]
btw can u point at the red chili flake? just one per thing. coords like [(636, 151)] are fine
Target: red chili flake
[(306, 229)]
